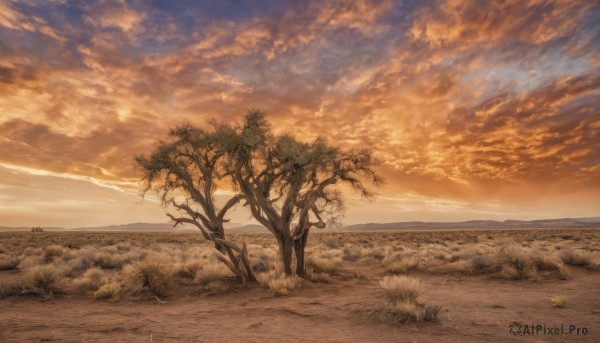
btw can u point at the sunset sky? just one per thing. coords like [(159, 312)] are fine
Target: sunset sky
[(478, 109)]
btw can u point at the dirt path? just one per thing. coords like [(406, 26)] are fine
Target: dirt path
[(475, 309)]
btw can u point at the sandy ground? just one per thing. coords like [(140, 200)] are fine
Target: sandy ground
[(474, 309)]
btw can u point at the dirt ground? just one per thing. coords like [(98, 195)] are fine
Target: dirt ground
[(474, 309)]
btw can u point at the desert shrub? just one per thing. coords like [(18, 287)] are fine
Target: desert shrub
[(53, 251), (398, 263), (30, 261), (278, 283), (551, 265), (189, 269), (10, 289), (212, 271), (351, 253), (41, 279), (377, 254), (466, 253), (77, 265), (594, 264), (509, 273), (328, 266), (152, 273), (574, 258), (459, 267), (217, 287), (123, 247), (515, 264), (402, 288), (405, 312), (483, 264), (8, 262), (90, 280), (108, 291), (32, 251), (405, 303), (559, 301), (109, 257)]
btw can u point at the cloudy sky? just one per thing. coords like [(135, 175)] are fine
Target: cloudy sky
[(478, 109)]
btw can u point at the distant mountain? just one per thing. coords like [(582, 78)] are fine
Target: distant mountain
[(28, 228), (593, 222), (136, 227), (251, 228), (149, 227), (152, 227)]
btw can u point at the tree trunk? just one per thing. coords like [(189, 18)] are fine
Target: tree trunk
[(299, 245), (285, 249), (240, 264)]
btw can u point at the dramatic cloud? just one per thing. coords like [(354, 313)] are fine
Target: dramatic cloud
[(476, 108)]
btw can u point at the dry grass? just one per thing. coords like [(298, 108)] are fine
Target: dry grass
[(559, 301), (189, 269), (41, 280), (52, 261), (402, 289), (398, 263), (10, 289), (575, 258), (53, 251), (278, 283), (152, 273), (217, 287), (329, 266), (108, 291), (405, 303), (90, 280), (8, 262), (212, 271)]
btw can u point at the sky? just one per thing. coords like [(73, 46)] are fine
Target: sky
[(477, 109)]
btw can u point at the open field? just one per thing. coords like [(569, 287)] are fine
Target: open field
[(422, 286)]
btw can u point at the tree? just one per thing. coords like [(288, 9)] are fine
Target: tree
[(189, 166), (289, 185)]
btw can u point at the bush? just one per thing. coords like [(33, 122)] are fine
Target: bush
[(559, 302), (212, 271), (10, 289), (574, 258), (90, 280), (405, 304), (8, 262), (402, 289), (217, 287), (514, 257), (551, 265), (278, 283), (515, 264), (53, 251), (107, 291), (41, 279), (397, 263), (351, 253), (189, 269), (405, 312), (151, 273), (483, 264), (321, 265)]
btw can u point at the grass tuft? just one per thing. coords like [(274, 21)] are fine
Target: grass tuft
[(108, 291)]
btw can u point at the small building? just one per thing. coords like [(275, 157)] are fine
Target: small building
[(37, 229)]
